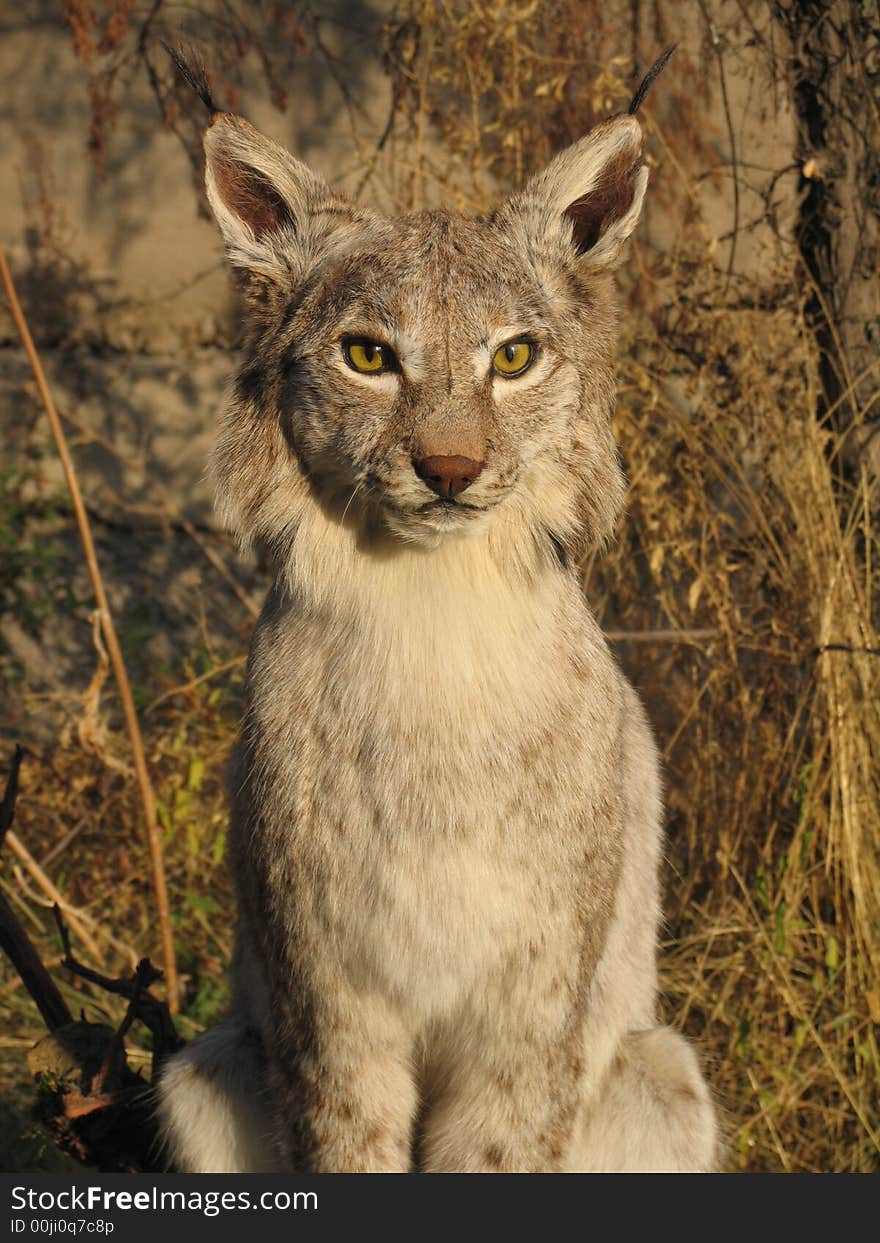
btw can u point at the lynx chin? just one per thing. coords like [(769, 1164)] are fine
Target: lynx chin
[(446, 810)]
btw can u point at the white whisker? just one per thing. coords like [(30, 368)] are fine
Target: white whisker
[(357, 488)]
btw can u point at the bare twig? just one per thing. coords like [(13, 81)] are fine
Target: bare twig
[(153, 1013), (7, 808), (18, 947), (725, 99), (154, 839), (18, 848), (661, 636), (186, 687), (16, 943), (845, 647)]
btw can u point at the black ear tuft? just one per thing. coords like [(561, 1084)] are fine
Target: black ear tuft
[(648, 80), (194, 74)]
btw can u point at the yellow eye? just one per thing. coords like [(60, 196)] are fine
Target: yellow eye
[(514, 358), (370, 357)]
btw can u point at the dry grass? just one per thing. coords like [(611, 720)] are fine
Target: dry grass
[(742, 522), (771, 743)]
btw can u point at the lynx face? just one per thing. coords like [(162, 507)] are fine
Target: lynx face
[(437, 305), (432, 375)]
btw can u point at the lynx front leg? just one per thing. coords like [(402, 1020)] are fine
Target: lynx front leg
[(343, 1086), (505, 1092)]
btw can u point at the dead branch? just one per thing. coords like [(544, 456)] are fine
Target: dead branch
[(94, 1106), (7, 807), (143, 1006), (18, 947), (14, 941)]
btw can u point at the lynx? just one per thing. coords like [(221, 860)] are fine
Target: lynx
[(446, 811)]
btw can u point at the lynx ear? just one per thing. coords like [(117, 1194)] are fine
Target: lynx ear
[(590, 195), (261, 196)]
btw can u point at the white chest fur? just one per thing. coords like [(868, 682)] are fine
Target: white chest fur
[(436, 749)]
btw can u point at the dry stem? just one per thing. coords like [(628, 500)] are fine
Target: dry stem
[(148, 802)]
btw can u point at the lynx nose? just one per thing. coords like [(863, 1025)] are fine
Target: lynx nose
[(447, 476)]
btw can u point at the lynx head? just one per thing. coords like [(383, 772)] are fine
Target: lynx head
[(432, 375)]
